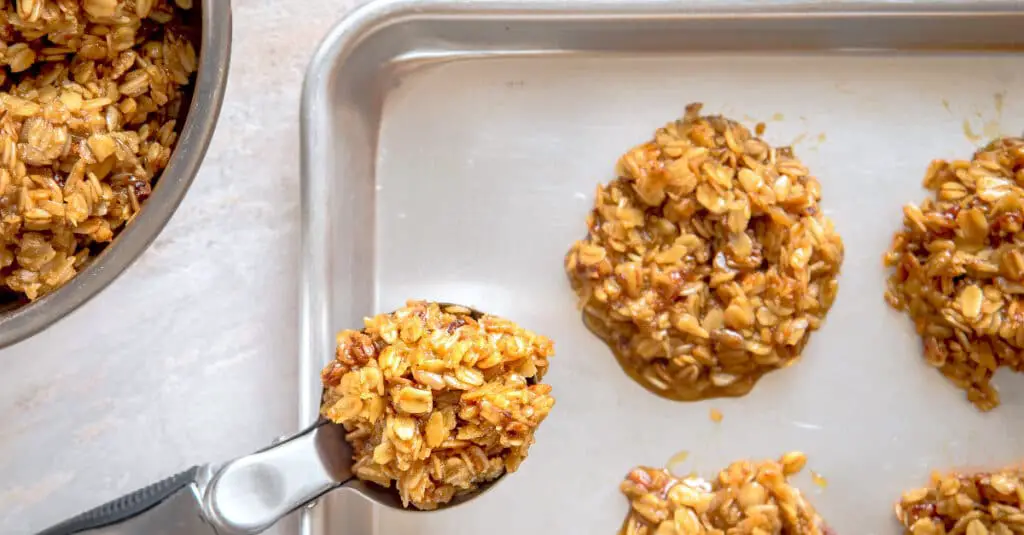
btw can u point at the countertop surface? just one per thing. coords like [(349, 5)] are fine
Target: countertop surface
[(190, 355)]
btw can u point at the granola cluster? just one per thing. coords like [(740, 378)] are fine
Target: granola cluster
[(958, 267), (708, 262), (438, 399), (967, 504), (746, 498)]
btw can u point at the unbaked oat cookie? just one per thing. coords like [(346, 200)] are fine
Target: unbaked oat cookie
[(958, 267), (708, 262), (747, 498), (965, 504), (437, 398)]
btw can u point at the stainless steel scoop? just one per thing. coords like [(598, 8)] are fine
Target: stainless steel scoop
[(244, 496)]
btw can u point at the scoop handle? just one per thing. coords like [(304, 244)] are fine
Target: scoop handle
[(168, 507), (242, 497), (248, 495)]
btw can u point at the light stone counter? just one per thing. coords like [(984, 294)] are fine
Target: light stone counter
[(190, 355)]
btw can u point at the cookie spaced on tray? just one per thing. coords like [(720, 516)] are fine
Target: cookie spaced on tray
[(708, 261), (957, 267), (746, 498)]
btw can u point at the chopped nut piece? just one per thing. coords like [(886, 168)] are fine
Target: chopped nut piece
[(708, 262), (958, 270), (436, 399), (744, 499)]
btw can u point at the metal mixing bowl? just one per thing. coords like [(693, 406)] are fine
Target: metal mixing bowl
[(23, 320)]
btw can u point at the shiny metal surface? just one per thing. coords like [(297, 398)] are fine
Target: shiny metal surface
[(450, 152), (19, 323), (248, 495), (245, 496)]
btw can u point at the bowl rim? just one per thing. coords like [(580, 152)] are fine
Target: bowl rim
[(29, 319)]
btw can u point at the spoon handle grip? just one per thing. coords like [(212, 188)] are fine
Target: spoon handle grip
[(248, 495), (242, 497), (167, 507)]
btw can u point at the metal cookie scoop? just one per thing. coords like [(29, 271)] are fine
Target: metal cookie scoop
[(244, 496)]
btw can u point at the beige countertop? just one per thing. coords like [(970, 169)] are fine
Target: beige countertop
[(190, 355)]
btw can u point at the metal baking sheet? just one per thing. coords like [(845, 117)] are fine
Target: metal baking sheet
[(451, 150)]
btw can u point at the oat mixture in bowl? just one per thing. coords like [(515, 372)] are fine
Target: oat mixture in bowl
[(747, 498), (708, 262), (437, 399), (95, 95), (91, 92), (958, 267)]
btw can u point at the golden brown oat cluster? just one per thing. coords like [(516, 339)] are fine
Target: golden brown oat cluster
[(708, 262), (746, 498), (437, 398), (90, 90), (967, 504), (958, 267)]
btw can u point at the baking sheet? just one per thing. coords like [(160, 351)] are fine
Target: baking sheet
[(451, 152)]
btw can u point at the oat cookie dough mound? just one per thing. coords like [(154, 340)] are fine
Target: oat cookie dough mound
[(437, 399), (747, 498), (958, 267), (90, 95), (968, 504), (708, 262)]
